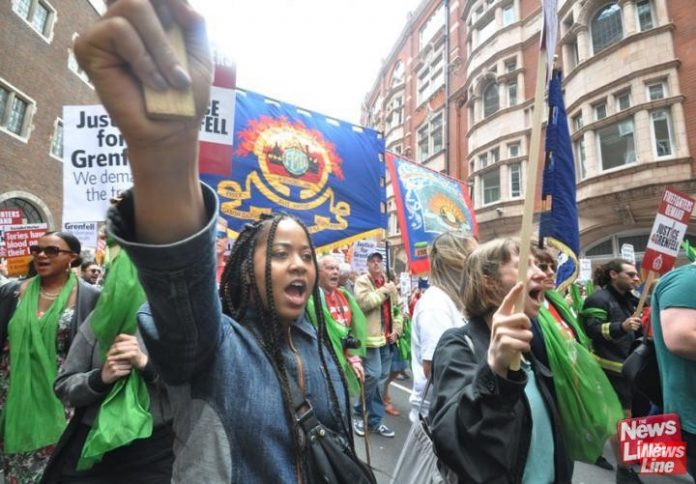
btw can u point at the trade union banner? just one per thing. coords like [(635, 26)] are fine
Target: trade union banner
[(328, 173), (427, 204)]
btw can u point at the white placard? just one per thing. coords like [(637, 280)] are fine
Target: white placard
[(361, 249), (585, 270), (86, 233), (217, 125), (95, 163), (628, 253)]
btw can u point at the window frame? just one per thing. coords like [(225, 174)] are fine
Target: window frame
[(485, 89), (518, 166), (663, 86), (432, 131), (651, 9), (512, 88), (7, 111), (627, 161), (518, 146), (593, 28), (596, 110), (670, 132), (508, 8), (484, 189), (29, 17), (58, 133)]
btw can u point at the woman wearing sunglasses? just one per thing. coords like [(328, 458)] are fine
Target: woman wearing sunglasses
[(38, 319)]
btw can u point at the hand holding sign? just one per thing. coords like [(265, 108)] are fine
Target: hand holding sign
[(128, 47), (511, 333)]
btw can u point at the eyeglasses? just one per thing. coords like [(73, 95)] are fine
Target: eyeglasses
[(49, 250), (544, 266), (221, 234)]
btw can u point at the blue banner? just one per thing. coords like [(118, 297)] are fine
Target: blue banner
[(427, 204), (559, 216), (328, 173)]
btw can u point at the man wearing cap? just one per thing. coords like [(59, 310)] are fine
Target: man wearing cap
[(377, 298)]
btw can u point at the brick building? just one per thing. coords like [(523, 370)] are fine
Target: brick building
[(630, 93), (38, 75)]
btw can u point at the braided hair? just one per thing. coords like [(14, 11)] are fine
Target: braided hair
[(238, 286)]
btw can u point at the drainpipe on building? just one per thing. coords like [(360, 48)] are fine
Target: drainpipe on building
[(447, 93)]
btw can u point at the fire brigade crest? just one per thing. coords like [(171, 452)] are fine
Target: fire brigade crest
[(294, 167)]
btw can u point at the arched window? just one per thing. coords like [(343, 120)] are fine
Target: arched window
[(491, 101), (606, 27), (397, 74), (31, 213)]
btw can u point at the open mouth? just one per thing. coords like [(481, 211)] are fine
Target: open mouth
[(536, 294), (295, 292)]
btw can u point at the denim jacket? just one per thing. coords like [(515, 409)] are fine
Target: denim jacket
[(229, 416)]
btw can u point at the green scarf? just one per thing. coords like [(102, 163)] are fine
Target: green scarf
[(33, 417), (568, 316), (404, 341), (587, 404), (337, 332), (124, 415)]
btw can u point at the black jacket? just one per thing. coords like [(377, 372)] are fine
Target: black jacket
[(480, 422), (610, 343)]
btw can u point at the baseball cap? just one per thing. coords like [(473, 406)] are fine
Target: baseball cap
[(378, 254)]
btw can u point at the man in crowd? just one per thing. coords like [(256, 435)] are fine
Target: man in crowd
[(674, 329), (344, 280), (608, 319), (377, 298), (90, 272), (345, 320)]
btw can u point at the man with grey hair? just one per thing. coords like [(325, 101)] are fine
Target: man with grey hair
[(344, 277)]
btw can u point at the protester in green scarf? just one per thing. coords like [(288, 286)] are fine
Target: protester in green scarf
[(345, 322), (587, 404), (108, 378), (43, 315)]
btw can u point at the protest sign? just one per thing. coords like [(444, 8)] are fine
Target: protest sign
[(668, 231), (405, 283), (86, 233), (585, 270), (654, 442), (361, 249), (95, 163), (18, 238), (628, 253), (11, 216)]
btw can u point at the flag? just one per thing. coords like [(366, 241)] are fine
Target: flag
[(559, 217), (427, 204), (328, 173), (549, 31)]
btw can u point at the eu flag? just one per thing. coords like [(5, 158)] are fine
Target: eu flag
[(328, 173), (559, 217)]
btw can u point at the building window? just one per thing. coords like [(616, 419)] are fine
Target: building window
[(515, 171), (470, 186), (430, 138), (512, 93), (578, 122), (483, 160), (600, 111), (606, 26), (616, 144), (661, 122), (580, 159), (622, 100), (487, 30), (432, 26), (398, 74), (511, 65), (37, 13), (491, 101), (472, 166), (656, 91), (573, 54), (15, 111), (495, 155), (513, 150), (644, 11), (509, 15), (490, 183), (431, 76), (57, 140)]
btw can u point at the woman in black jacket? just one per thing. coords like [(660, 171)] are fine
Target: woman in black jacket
[(491, 423)]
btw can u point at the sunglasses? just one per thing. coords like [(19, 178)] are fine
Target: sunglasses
[(544, 266), (49, 250)]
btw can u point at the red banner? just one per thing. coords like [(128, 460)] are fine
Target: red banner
[(11, 216), (18, 238), (654, 442)]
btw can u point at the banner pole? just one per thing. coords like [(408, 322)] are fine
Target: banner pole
[(531, 186), (644, 295)]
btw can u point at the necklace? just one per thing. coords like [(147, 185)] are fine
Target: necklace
[(51, 296)]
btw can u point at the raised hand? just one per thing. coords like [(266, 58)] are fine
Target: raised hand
[(510, 333)]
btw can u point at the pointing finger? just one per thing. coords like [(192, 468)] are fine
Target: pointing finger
[(507, 307)]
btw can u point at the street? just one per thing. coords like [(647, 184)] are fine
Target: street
[(385, 452)]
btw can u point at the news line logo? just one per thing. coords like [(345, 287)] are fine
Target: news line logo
[(654, 443)]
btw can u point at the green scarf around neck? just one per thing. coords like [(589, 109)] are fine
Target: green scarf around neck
[(568, 316), (336, 332), (124, 415), (33, 417)]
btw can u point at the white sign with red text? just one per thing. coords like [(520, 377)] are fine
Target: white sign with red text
[(668, 231)]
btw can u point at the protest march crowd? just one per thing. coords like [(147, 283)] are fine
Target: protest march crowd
[(172, 362)]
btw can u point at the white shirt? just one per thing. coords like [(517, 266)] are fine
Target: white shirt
[(435, 313)]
